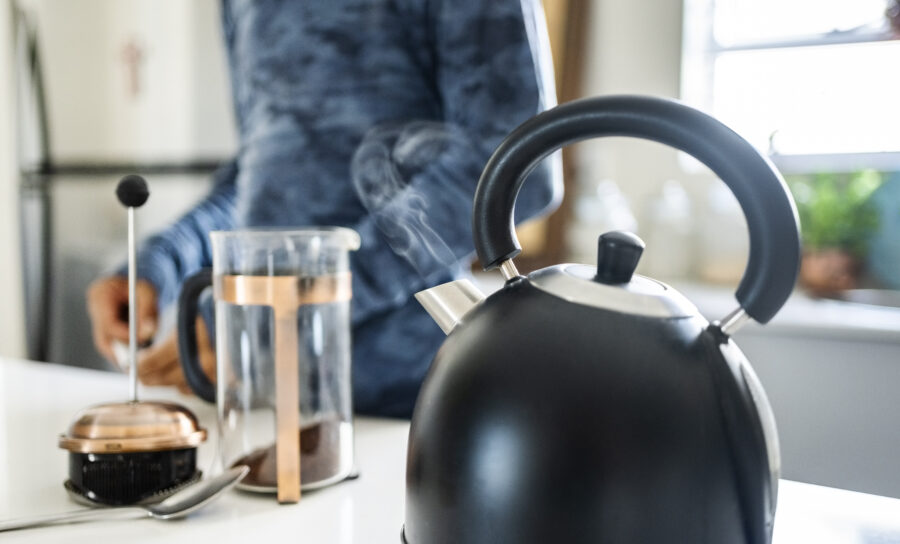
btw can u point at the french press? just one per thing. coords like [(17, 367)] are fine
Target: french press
[(282, 335)]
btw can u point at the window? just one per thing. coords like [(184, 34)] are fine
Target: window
[(813, 83)]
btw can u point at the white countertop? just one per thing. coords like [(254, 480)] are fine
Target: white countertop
[(38, 400)]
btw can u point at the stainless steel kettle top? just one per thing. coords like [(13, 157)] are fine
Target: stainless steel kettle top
[(587, 404), (612, 284)]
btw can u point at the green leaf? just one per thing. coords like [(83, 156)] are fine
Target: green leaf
[(835, 209)]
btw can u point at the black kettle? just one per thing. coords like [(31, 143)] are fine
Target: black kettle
[(584, 404)]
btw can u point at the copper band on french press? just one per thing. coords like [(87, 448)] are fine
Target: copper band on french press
[(282, 292), (285, 294)]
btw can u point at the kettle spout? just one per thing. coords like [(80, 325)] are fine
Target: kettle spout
[(449, 302)]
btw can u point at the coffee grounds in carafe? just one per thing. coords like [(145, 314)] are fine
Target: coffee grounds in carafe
[(320, 457)]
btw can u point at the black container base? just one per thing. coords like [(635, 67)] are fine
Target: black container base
[(120, 479)]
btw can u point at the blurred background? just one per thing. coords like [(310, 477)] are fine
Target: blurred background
[(93, 89)]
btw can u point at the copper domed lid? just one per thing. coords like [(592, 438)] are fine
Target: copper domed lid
[(133, 427)]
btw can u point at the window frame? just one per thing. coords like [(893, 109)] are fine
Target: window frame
[(700, 50)]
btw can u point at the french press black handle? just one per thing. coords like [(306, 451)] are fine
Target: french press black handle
[(774, 259), (188, 309)]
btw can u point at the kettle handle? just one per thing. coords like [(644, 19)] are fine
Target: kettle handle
[(774, 259)]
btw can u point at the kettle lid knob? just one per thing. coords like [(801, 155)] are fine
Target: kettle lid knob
[(618, 253)]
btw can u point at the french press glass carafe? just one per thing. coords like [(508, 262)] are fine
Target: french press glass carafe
[(282, 336)]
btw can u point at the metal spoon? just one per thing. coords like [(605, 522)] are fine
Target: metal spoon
[(178, 505)]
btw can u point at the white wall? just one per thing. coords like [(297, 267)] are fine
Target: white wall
[(635, 48), (12, 339), (632, 47)]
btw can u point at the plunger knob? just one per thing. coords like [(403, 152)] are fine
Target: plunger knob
[(132, 191)]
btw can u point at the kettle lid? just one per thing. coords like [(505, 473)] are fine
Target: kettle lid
[(613, 285)]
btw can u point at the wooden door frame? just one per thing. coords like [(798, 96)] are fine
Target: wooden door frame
[(568, 38)]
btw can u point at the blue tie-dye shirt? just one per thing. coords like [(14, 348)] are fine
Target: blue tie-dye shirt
[(376, 115)]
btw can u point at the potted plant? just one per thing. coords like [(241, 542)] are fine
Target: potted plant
[(837, 220)]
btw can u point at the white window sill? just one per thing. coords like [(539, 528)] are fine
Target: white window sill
[(804, 315)]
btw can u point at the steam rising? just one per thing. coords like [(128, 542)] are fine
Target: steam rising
[(386, 172)]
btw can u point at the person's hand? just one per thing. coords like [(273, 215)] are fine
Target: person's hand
[(107, 305), (159, 364)]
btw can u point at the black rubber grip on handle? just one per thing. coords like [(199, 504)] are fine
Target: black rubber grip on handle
[(188, 309), (774, 259)]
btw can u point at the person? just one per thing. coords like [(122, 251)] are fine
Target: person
[(370, 114)]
